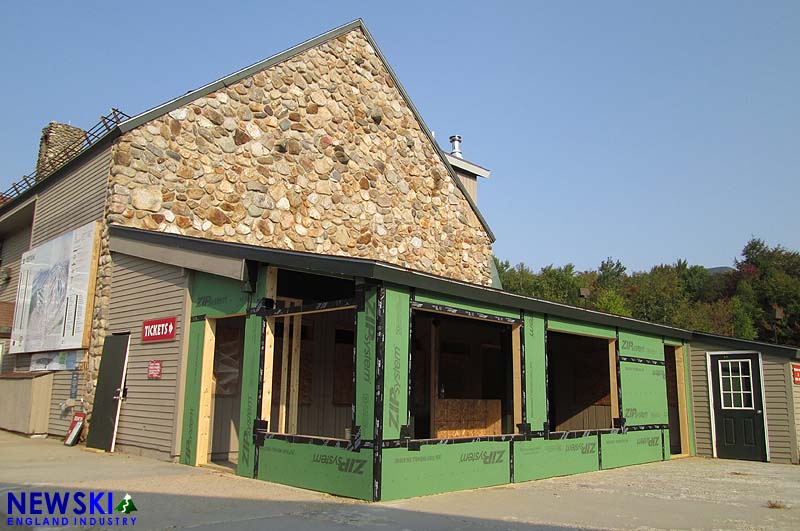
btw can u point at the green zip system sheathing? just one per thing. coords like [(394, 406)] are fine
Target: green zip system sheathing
[(212, 297), (365, 364), (439, 468), (632, 448), (395, 374), (535, 372), (251, 365), (641, 346), (542, 458), (473, 306), (581, 329), (315, 467), (644, 393)]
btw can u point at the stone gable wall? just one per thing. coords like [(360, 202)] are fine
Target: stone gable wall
[(319, 153)]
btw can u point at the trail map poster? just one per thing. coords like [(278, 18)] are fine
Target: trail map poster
[(52, 297)]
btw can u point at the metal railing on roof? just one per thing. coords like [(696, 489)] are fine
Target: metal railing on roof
[(72, 150)]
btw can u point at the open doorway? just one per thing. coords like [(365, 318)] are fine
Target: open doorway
[(226, 389), (676, 400), (462, 377), (309, 355), (581, 373), (312, 380)]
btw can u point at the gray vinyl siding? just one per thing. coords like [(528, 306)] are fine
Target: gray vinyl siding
[(73, 199), (61, 418), (776, 396), (13, 248), (701, 408), (778, 405), (142, 290)]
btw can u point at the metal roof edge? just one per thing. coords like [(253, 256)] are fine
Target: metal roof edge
[(365, 268), (749, 344), (466, 165)]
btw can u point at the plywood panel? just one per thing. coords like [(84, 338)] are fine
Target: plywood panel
[(467, 418)]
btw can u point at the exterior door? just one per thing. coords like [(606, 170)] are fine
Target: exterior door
[(109, 393), (738, 406)]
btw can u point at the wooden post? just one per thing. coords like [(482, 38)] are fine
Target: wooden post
[(269, 350), (680, 381), (294, 386), (206, 394), (284, 376), (612, 378), (516, 361)]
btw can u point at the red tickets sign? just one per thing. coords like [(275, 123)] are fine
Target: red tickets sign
[(159, 330)]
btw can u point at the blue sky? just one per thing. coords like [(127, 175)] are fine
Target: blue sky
[(639, 130)]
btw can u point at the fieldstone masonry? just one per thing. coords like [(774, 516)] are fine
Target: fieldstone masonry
[(319, 153)]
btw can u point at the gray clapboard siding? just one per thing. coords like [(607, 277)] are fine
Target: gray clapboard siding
[(778, 409), (61, 418), (13, 248), (73, 200), (776, 395), (701, 411), (143, 290)]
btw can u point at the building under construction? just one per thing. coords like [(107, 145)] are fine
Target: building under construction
[(282, 273)]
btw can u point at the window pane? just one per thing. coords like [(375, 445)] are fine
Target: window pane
[(748, 400), (746, 385), (726, 384), (737, 400), (746, 368), (737, 384), (725, 367), (727, 400), (735, 368)]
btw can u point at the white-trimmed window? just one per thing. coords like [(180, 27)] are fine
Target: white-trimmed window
[(736, 384)]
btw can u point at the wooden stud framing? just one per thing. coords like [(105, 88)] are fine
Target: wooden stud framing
[(294, 386), (516, 361), (286, 344), (206, 393), (93, 265), (683, 416), (269, 349), (284, 376), (612, 373)]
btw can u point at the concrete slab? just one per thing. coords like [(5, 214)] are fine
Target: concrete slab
[(681, 494)]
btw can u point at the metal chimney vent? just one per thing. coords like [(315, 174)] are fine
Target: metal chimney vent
[(455, 140)]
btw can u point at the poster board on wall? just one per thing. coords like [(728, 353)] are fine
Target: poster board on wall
[(56, 293)]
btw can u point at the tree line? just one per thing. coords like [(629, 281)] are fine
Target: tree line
[(758, 298)]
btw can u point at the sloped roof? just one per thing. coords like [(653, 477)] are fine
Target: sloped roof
[(160, 110), (237, 76)]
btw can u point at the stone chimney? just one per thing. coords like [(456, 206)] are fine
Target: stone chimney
[(56, 139)]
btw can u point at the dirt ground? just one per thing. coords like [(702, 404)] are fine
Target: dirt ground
[(681, 494)]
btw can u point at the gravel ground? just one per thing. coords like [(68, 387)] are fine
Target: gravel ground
[(682, 494)]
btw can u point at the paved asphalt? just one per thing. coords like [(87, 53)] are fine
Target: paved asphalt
[(681, 494)]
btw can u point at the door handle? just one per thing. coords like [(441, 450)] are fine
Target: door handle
[(758, 412)]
